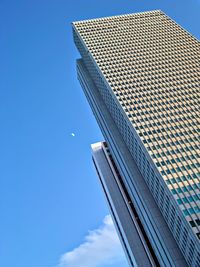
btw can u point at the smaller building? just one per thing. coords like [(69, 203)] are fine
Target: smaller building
[(138, 247)]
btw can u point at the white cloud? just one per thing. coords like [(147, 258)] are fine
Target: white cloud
[(101, 246), (73, 134)]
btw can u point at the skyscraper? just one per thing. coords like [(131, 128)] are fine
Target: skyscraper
[(140, 73)]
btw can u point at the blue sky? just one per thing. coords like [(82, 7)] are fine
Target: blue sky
[(50, 197)]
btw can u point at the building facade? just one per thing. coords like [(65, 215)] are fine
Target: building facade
[(140, 73)]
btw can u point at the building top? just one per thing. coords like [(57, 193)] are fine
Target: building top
[(118, 17)]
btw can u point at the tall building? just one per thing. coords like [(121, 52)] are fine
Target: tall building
[(140, 74)]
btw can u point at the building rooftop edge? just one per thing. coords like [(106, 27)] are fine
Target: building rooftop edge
[(96, 145), (115, 16)]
